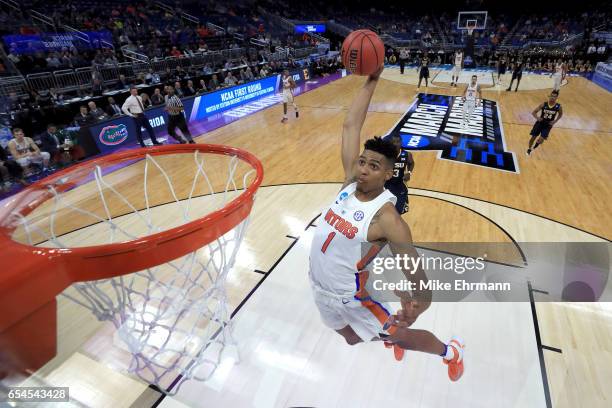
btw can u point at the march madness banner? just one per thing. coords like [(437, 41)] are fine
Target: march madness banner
[(434, 122)]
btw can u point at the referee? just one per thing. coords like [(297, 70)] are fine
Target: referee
[(176, 118)]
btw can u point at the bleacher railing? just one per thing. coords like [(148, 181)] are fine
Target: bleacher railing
[(42, 18), (67, 80), (16, 84), (190, 17), (11, 4), (133, 55), (78, 34), (216, 28)]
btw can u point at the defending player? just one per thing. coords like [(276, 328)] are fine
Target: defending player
[(424, 71), (288, 87), (457, 68), (502, 64), (363, 212), (517, 74), (550, 113), (558, 75), (402, 170), (471, 99)]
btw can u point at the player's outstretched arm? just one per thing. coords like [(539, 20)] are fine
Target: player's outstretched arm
[(535, 112), (353, 123), (397, 233), (558, 116)]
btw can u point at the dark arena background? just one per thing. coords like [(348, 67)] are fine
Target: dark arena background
[(112, 114)]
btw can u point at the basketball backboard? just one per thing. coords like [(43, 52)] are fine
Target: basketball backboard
[(472, 20)]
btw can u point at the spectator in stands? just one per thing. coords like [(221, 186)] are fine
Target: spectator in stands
[(146, 102), (123, 83), (25, 152), (9, 168), (202, 87), (207, 70), (249, 74), (243, 78), (82, 118), (178, 91), (49, 142), (190, 89), (60, 148), (601, 51), (157, 98), (180, 73), (213, 84), (113, 108), (152, 77), (97, 88), (230, 80), (175, 52), (55, 96), (96, 114)]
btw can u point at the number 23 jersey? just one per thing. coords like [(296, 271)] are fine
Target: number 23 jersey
[(337, 243)]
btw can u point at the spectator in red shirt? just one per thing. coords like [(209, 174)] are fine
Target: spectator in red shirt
[(175, 52)]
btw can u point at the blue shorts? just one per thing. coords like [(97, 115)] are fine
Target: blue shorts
[(541, 128), (402, 199)]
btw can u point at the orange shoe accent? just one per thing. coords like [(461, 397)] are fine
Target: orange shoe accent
[(455, 366), (388, 345), (398, 352)]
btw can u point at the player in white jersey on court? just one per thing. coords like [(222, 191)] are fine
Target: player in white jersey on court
[(471, 99), (457, 68), (559, 75), (288, 85), (363, 214)]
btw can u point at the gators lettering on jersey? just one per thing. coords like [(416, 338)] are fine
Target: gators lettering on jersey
[(336, 253), (548, 113)]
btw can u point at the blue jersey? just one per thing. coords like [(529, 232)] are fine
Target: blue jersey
[(403, 161)]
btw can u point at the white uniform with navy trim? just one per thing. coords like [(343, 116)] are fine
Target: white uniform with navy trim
[(458, 62), (334, 257), (287, 91)]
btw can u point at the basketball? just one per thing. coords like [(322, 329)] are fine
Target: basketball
[(363, 52)]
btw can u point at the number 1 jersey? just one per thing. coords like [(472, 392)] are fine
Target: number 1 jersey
[(336, 252)]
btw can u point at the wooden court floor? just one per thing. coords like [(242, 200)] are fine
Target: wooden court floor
[(561, 194)]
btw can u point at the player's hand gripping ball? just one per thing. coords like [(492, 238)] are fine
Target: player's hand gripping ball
[(363, 52)]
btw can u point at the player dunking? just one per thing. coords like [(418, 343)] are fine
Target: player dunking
[(471, 99), (424, 71), (363, 213), (288, 87), (457, 67), (402, 170), (544, 123), (559, 75)]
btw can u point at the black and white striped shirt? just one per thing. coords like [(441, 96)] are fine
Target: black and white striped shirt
[(174, 105)]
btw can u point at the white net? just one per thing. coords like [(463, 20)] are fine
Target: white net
[(174, 318)]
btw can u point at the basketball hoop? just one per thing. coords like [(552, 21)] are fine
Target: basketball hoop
[(146, 238)]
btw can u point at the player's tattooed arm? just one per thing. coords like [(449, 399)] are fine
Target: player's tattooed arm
[(397, 233), (353, 123)]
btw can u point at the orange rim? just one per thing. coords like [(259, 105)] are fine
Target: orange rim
[(42, 273)]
